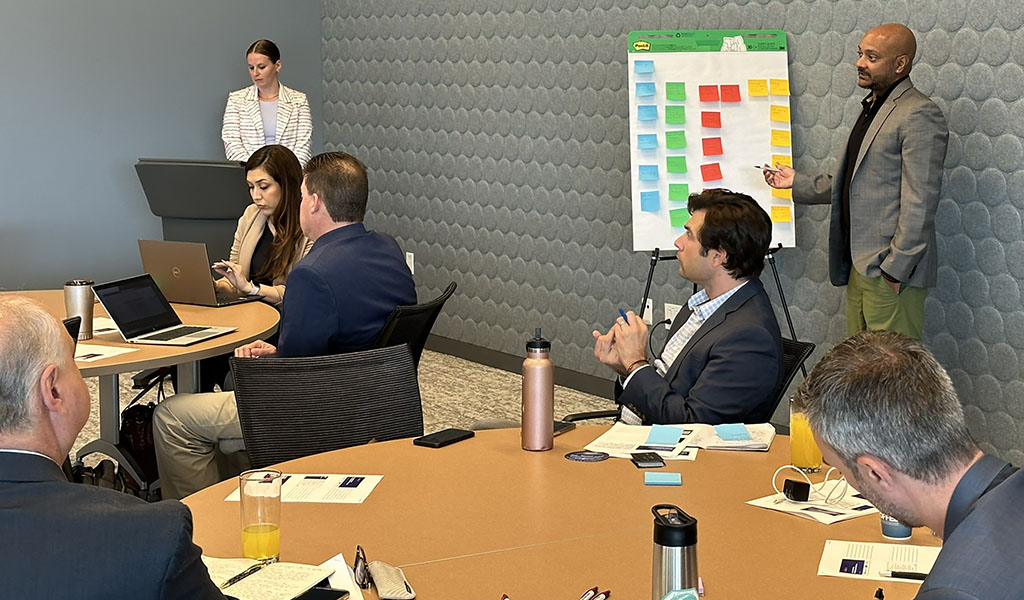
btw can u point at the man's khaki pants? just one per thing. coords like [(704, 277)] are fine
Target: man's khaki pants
[(872, 305)]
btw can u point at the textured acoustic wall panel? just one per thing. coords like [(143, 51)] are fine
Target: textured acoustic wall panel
[(496, 138)]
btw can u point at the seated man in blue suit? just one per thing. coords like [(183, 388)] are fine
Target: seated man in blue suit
[(885, 413), (723, 359), (64, 540), (339, 297)]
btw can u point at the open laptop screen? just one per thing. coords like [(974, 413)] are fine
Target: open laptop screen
[(136, 305)]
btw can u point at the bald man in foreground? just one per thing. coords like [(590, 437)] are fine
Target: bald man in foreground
[(884, 193)]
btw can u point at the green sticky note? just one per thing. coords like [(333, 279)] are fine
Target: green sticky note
[(675, 91), (679, 217), (675, 115), (675, 140), (676, 164), (679, 192)]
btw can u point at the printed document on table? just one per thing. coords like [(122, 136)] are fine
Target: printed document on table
[(864, 560), (622, 440), (852, 505), (103, 326), (760, 437), (323, 488), (93, 352)]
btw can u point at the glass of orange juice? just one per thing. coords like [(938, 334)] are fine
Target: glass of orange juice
[(260, 495), (804, 454)]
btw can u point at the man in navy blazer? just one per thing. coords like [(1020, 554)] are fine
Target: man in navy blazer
[(885, 413), (64, 540), (723, 359), (338, 299)]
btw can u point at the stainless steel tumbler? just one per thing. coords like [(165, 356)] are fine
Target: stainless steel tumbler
[(675, 551), (78, 302)]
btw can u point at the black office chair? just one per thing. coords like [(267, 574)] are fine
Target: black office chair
[(412, 324), (295, 407), (794, 353)]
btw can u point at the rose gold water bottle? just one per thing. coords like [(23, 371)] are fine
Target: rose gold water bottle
[(538, 395)]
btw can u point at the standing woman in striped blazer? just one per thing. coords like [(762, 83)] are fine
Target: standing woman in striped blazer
[(266, 112)]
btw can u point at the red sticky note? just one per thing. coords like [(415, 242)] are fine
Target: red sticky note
[(712, 172), (712, 146), (711, 119), (730, 93), (708, 93)]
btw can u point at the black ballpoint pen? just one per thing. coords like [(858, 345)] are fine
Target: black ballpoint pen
[(904, 575), (243, 574)]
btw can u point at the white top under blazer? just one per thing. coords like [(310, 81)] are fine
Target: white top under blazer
[(242, 131)]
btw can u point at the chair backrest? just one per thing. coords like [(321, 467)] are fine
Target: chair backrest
[(295, 407), (794, 353), (412, 324)]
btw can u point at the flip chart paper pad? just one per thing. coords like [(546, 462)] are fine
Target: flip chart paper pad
[(727, 96)]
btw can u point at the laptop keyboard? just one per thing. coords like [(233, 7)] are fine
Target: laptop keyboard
[(174, 333)]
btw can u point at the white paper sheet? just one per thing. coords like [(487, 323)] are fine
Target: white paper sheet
[(864, 560), (622, 440), (323, 488), (343, 578), (94, 352), (850, 507), (103, 326), (276, 581)]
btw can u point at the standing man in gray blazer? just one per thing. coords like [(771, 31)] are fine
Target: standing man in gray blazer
[(885, 191)]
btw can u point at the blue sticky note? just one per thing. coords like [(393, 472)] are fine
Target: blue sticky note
[(648, 172), (664, 435), (643, 66), (733, 432), (662, 478), (647, 141), (647, 112), (650, 201), (644, 88)]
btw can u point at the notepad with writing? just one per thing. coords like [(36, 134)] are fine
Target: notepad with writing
[(758, 437), (277, 581)]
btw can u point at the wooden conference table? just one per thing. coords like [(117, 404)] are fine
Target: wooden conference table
[(483, 517), (254, 320)]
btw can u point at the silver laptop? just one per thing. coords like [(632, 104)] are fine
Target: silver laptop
[(182, 271), (143, 315)]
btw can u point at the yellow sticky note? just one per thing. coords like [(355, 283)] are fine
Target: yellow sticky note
[(779, 113), (786, 193), (782, 159), (757, 87), (780, 137), (779, 87), (782, 214)]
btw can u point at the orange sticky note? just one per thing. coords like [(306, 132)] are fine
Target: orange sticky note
[(712, 172), (786, 193), (708, 93), (779, 113), (757, 88), (782, 159), (711, 119), (730, 93), (779, 87), (712, 146), (780, 137), (782, 214)]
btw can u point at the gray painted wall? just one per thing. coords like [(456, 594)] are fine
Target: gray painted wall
[(89, 87), (496, 134)]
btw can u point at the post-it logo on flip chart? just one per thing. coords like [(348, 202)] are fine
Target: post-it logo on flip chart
[(641, 46)]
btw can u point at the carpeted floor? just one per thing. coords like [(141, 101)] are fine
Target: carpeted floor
[(455, 393)]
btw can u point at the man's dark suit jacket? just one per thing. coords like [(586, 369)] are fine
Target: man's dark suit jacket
[(729, 371), (982, 555), (341, 293), (65, 540)]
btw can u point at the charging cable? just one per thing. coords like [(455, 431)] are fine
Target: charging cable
[(799, 491)]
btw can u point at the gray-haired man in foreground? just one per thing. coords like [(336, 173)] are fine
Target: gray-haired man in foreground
[(885, 413), (63, 540)]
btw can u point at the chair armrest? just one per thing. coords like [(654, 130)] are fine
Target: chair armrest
[(585, 416)]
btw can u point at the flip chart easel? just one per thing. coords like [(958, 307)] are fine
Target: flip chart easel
[(705, 108)]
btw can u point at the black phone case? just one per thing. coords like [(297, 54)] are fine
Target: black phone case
[(443, 438)]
